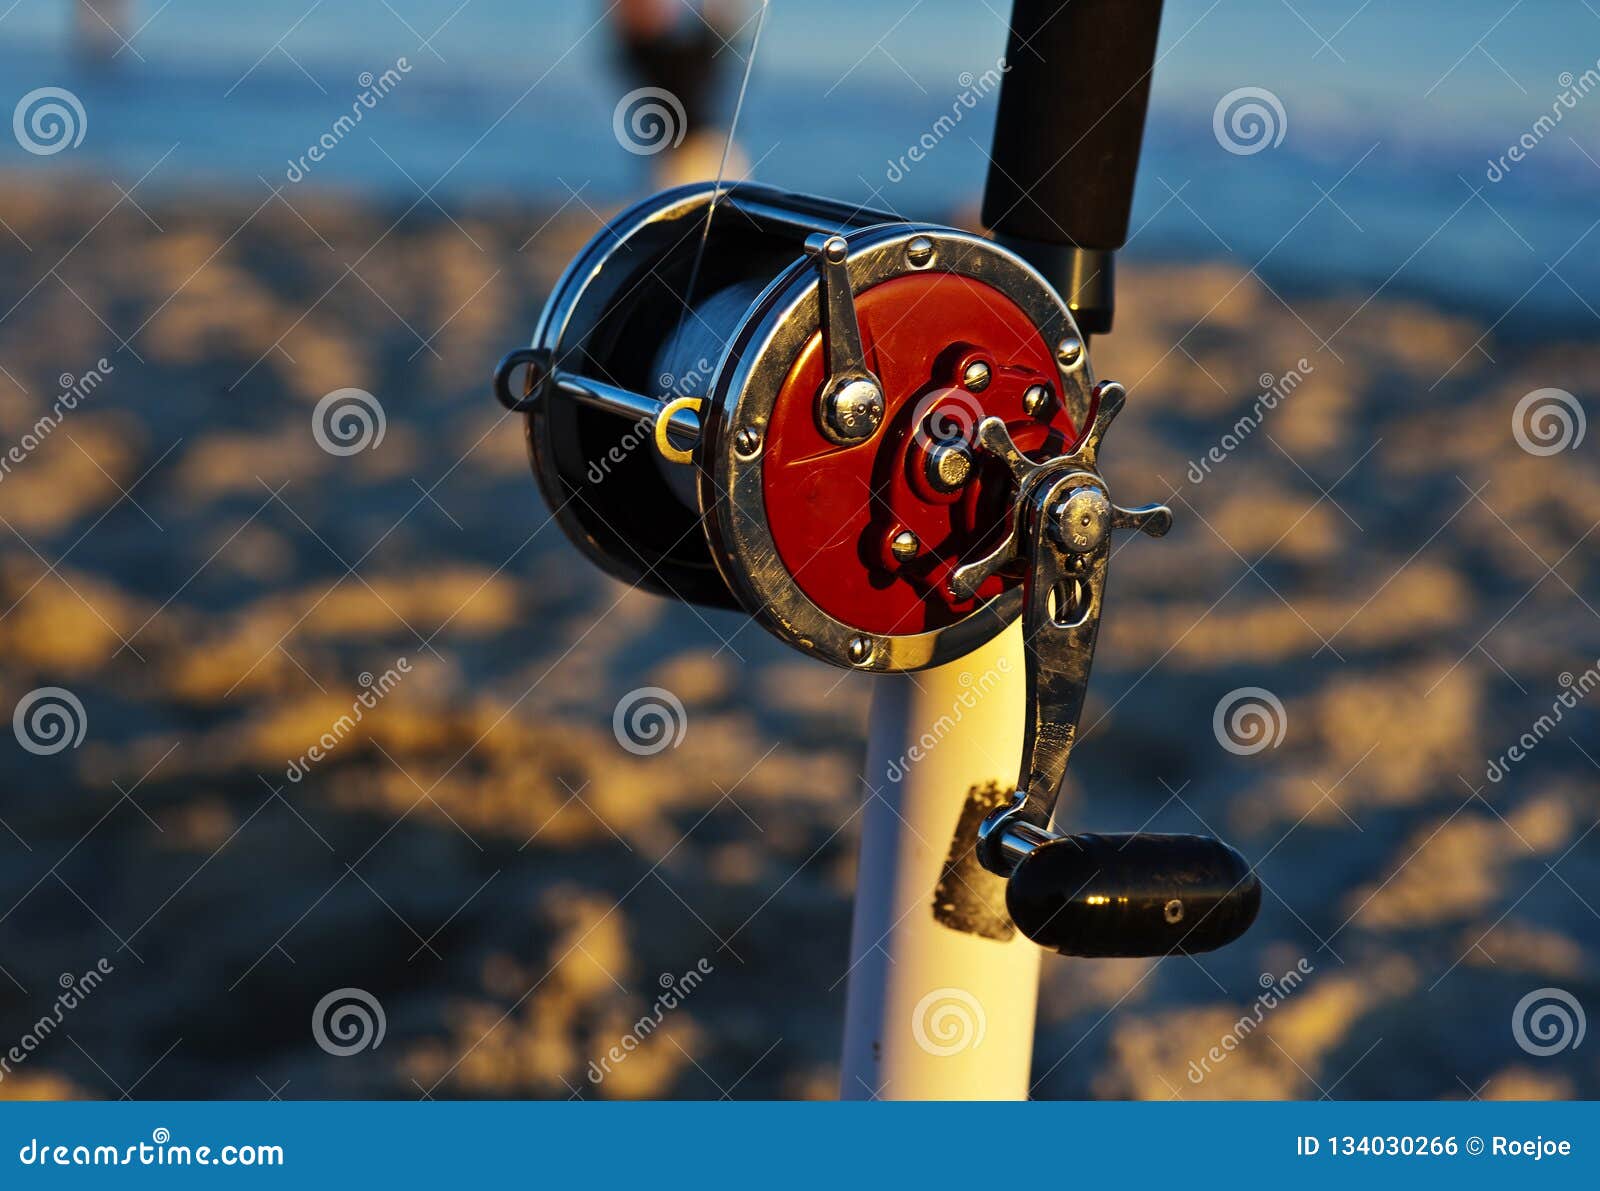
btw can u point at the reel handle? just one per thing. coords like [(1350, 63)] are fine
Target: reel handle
[(1090, 895), (1132, 895)]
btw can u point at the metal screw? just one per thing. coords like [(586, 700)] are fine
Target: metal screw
[(904, 545), (977, 376), (854, 410), (835, 248), (949, 466), (919, 251), (859, 651), (1036, 400), (1069, 351), (1080, 523), (747, 442)]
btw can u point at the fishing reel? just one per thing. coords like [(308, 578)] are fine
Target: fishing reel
[(879, 439)]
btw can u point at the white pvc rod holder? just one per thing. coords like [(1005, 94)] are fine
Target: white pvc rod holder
[(933, 1013)]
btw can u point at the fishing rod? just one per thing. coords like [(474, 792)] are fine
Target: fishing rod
[(880, 439)]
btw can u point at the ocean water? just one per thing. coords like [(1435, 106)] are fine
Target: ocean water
[(1379, 169)]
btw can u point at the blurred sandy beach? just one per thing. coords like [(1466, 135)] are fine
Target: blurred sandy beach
[(515, 887)]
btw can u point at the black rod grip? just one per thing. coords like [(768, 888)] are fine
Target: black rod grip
[(1106, 895), (1071, 120)]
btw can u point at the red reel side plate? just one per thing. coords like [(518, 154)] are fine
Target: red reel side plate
[(803, 528), (836, 511)]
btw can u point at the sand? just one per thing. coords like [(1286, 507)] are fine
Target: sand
[(515, 889)]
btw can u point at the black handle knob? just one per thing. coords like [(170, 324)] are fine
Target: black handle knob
[(1071, 120), (1121, 895)]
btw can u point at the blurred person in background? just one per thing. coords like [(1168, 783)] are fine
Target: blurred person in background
[(99, 27), (684, 47)]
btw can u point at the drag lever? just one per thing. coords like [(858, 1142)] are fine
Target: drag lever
[(1094, 895), (850, 404)]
